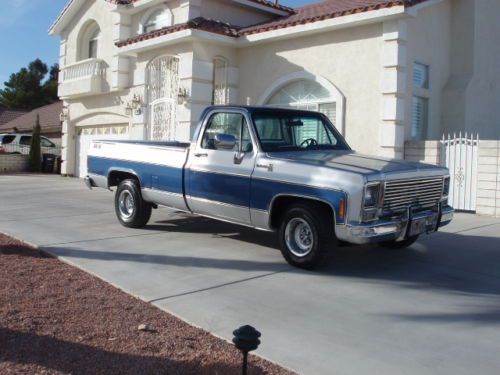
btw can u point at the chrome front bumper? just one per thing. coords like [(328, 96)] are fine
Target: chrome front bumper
[(387, 230)]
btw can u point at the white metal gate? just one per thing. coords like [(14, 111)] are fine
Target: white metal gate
[(163, 89), (460, 157)]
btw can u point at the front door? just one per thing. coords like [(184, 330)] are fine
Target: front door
[(219, 178)]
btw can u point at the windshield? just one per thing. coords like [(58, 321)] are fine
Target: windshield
[(296, 131)]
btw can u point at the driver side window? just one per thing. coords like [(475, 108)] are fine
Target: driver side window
[(227, 123)]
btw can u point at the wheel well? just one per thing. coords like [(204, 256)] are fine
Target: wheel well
[(115, 177), (282, 203)]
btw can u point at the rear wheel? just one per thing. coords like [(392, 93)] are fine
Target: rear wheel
[(132, 211), (398, 245), (306, 234)]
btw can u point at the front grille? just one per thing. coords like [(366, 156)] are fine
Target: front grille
[(400, 194)]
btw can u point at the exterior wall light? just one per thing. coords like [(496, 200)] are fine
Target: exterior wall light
[(134, 107), (183, 95)]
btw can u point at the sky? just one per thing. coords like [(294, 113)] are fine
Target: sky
[(23, 32)]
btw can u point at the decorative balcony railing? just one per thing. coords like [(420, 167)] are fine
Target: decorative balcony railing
[(84, 78), (83, 69)]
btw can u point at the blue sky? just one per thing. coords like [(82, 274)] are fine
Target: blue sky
[(23, 32)]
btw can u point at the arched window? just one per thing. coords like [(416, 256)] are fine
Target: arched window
[(219, 84), (306, 94), (89, 41), (155, 19), (94, 44), (163, 90)]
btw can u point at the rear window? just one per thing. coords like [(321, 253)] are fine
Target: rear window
[(25, 140), (6, 139)]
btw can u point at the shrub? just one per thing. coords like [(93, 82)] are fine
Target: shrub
[(35, 158)]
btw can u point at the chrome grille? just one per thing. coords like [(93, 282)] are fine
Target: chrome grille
[(419, 192)]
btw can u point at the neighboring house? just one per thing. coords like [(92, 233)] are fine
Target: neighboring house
[(7, 115), (50, 122), (383, 71)]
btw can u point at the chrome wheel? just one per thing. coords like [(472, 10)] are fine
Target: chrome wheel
[(126, 204), (299, 237)]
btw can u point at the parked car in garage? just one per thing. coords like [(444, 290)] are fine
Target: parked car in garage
[(19, 143), (274, 169)]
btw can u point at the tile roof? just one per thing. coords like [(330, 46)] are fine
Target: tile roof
[(270, 4), (198, 23), (49, 119), (323, 10), (7, 115)]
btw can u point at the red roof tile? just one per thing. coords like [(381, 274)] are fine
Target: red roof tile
[(7, 115), (49, 119), (199, 23), (320, 11)]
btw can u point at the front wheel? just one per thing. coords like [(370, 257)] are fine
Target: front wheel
[(306, 234), (132, 211), (398, 245)]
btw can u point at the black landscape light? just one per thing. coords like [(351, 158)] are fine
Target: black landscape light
[(246, 339)]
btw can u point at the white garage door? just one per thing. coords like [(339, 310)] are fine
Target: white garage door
[(89, 134)]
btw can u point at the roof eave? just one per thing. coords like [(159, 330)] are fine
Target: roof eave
[(334, 23), (68, 12)]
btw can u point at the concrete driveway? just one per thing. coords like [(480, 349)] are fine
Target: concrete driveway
[(433, 309)]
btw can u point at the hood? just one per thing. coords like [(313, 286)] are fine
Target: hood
[(372, 167)]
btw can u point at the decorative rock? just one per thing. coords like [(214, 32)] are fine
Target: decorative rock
[(143, 327)]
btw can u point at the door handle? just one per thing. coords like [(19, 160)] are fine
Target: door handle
[(201, 155)]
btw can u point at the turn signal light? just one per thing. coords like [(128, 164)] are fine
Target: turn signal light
[(2, 150), (342, 209)]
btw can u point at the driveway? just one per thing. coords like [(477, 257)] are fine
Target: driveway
[(433, 309)]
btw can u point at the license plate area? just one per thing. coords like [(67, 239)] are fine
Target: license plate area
[(423, 225)]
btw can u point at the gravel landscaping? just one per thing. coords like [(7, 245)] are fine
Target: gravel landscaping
[(56, 319)]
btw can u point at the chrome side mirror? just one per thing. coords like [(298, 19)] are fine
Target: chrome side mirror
[(224, 141)]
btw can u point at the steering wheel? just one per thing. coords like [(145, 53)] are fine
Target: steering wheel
[(309, 142)]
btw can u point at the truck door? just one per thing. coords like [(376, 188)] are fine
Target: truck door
[(221, 167)]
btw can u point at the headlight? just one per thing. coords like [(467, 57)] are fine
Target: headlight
[(372, 195), (446, 187)]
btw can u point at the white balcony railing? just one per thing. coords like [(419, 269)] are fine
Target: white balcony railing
[(83, 78), (83, 69)]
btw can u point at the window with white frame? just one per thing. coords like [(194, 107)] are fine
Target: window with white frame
[(308, 95), (421, 76), (88, 41), (420, 102), (220, 87), (94, 44), (156, 20)]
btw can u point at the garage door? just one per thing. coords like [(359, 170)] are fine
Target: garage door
[(89, 134)]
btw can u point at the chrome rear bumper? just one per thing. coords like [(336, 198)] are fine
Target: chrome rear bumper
[(387, 230)]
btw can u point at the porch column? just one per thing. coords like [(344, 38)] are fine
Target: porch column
[(393, 87), (68, 144)]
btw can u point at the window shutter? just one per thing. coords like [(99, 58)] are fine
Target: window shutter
[(421, 76), (419, 115)]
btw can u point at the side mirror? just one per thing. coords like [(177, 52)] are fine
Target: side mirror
[(224, 141)]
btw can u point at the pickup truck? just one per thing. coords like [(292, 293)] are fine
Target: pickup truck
[(276, 169)]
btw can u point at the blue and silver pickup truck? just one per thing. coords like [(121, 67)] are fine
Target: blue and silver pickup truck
[(276, 169)]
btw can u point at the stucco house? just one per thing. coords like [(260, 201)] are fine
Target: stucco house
[(384, 71)]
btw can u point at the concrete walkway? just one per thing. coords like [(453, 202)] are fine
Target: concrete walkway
[(433, 309)]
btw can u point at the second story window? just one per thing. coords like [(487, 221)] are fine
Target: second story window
[(94, 44), (220, 87), (420, 102), (157, 19)]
